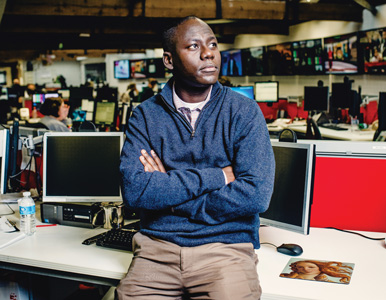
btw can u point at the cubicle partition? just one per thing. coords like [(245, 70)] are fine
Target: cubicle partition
[(349, 186)]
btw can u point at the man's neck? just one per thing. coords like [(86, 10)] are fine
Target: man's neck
[(192, 94)]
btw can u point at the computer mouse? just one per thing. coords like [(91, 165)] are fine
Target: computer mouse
[(290, 249)]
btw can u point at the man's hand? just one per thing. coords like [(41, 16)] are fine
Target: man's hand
[(151, 163), (229, 174)]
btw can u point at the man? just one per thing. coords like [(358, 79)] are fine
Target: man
[(197, 178)]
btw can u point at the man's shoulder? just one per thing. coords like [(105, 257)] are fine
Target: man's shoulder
[(237, 99)]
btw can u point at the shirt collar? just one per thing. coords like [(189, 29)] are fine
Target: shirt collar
[(178, 102)]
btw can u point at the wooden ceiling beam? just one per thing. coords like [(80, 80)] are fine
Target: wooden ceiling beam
[(205, 9), (252, 9), (112, 8), (325, 11)]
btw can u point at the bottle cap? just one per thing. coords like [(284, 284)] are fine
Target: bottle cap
[(26, 194)]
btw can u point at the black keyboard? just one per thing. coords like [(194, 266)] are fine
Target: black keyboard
[(118, 239), (333, 126)]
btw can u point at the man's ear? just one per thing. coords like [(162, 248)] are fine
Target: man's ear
[(168, 60)]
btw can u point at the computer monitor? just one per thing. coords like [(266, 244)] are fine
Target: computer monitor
[(290, 205), (122, 69), (51, 95), (247, 91), (316, 98), (82, 92), (341, 96), (38, 100), (104, 113), (3, 77), (267, 91), (4, 157), (3, 93), (107, 93), (82, 167)]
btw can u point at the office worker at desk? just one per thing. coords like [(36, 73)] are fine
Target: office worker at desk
[(198, 181), (55, 112)]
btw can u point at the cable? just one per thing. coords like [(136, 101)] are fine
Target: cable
[(352, 232), (266, 243), (8, 214)]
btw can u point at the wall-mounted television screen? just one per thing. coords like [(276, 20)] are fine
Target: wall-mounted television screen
[(231, 63), (155, 68), (341, 54), (373, 51), (279, 59), (121, 69), (308, 57), (267, 91), (252, 61), (138, 68)]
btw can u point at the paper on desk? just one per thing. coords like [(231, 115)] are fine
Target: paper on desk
[(6, 226), (9, 234), (9, 238)]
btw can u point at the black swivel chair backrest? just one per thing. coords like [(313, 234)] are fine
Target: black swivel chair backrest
[(313, 132)]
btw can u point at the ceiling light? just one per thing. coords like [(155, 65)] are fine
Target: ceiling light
[(219, 21), (79, 58), (308, 1), (83, 34)]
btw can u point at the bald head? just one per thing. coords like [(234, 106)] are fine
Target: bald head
[(169, 35)]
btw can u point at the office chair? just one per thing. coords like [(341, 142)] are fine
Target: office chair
[(287, 135), (313, 132), (87, 126)]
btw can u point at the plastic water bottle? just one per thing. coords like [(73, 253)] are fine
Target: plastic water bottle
[(27, 214)]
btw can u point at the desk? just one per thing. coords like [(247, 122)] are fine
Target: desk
[(300, 127), (368, 278), (57, 251), (344, 135)]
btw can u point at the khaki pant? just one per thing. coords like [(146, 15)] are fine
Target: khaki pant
[(163, 270)]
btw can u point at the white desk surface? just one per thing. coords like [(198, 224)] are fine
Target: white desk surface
[(368, 280), (345, 135), (59, 249)]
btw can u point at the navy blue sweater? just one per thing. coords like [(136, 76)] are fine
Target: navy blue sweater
[(190, 205)]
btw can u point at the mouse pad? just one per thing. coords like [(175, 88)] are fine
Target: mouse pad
[(318, 270)]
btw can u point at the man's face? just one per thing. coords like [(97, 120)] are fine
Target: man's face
[(196, 59)]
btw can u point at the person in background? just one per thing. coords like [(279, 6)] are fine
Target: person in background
[(131, 94), (18, 90), (55, 113), (148, 91), (198, 168), (30, 90)]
